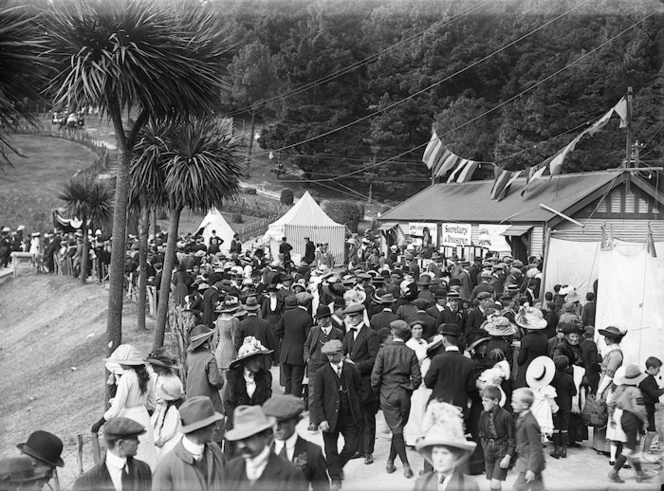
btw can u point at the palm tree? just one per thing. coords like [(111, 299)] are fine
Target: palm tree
[(20, 64), (203, 166), (88, 199), (146, 193), (162, 57)]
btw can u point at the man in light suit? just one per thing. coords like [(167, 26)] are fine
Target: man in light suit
[(313, 357), (305, 455), (293, 329), (396, 374), (361, 346)]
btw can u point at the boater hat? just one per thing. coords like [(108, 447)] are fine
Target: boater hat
[(540, 372), (247, 421), (198, 412), (43, 446)]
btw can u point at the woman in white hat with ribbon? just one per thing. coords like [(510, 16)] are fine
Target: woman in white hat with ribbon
[(135, 394)]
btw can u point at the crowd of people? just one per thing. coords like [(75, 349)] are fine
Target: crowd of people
[(470, 363)]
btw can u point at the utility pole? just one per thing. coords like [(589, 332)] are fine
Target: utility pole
[(628, 127)]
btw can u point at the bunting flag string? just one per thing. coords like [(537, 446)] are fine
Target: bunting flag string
[(506, 188), (441, 161)]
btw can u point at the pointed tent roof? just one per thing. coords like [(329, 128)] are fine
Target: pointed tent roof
[(305, 212)]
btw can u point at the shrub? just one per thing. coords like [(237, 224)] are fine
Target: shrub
[(250, 190), (344, 212), (287, 197), (237, 218)]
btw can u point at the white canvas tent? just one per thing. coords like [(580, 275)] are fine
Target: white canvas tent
[(214, 220), (306, 219), (630, 289)]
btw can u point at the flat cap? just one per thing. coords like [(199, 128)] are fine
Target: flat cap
[(332, 347), (354, 308), (483, 295), (283, 407), (123, 427)]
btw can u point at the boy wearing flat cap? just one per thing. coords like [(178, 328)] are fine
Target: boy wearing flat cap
[(118, 471), (337, 395), (305, 455)]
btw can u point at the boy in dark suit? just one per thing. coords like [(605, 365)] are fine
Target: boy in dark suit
[(563, 382), (497, 433), (531, 461), (337, 395), (305, 455)]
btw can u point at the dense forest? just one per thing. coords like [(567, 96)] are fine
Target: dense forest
[(343, 87)]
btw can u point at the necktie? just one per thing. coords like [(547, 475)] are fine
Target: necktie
[(352, 331), (126, 483), (283, 452), (442, 479), (492, 427)]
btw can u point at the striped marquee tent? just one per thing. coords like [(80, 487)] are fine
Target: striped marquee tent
[(306, 219)]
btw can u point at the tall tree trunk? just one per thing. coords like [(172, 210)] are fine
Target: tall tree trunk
[(251, 140), (116, 270), (166, 274), (85, 254), (143, 262)]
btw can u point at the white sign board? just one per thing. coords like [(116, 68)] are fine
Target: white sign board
[(424, 234), (456, 234), (491, 238)]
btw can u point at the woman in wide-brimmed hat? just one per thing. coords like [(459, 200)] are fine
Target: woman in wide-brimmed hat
[(166, 417), (135, 391), (501, 331), (164, 365), (533, 344), (248, 382), (611, 361), (445, 449)]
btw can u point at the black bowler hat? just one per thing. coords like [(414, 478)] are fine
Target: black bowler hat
[(449, 329), (43, 446)]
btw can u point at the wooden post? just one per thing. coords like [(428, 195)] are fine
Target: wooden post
[(628, 127), (545, 260), (79, 452)]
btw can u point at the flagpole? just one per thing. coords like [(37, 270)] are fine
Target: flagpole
[(628, 127)]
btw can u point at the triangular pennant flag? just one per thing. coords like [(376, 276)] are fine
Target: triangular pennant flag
[(435, 141), (537, 174), (499, 183), (621, 110), (599, 124), (447, 165), (468, 171), (459, 168), (439, 159), (556, 164), (514, 177)]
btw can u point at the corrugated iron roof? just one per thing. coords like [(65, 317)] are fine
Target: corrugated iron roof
[(471, 201)]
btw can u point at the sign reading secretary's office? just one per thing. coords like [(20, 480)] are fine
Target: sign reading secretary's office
[(456, 234)]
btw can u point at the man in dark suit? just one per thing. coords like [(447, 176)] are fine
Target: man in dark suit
[(475, 270), (477, 316), (361, 346), (451, 376), (305, 455), (309, 251), (453, 314), (436, 310), (428, 323), (337, 396), (254, 326), (313, 357), (531, 460), (293, 329), (386, 316), (257, 467), (119, 469), (396, 374), (210, 299)]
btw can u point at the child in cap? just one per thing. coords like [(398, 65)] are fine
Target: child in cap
[(531, 461), (563, 382), (497, 433), (651, 393)]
